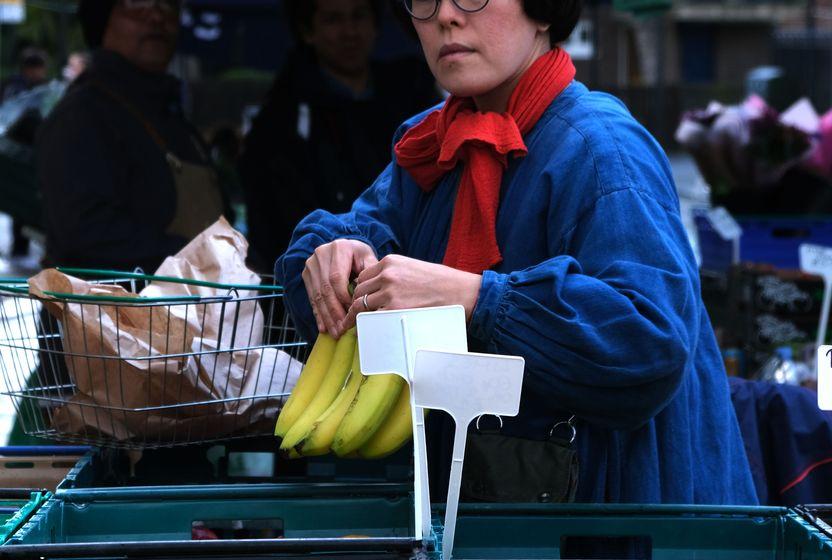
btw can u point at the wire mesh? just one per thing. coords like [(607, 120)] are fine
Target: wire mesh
[(204, 368)]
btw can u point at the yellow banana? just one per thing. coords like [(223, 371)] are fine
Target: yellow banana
[(320, 437), (396, 430), (375, 398), (328, 390), (310, 379)]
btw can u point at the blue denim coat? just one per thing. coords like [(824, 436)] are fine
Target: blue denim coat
[(598, 291)]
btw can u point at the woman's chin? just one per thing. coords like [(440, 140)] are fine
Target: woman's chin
[(462, 88)]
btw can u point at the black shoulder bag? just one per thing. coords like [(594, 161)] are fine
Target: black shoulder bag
[(500, 468)]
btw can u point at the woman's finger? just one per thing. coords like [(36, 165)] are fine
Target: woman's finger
[(327, 298), (307, 283), (363, 258), (368, 286), (370, 272), (318, 297), (340, 267), (367, 302)]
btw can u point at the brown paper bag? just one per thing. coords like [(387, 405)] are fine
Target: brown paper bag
[(204, 362)]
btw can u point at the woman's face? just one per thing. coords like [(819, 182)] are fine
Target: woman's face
[(479, 54)]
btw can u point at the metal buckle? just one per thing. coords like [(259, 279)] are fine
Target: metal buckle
[(570, 423), (498, 417)]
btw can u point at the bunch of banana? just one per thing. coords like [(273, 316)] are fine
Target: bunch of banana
[(334, 407)]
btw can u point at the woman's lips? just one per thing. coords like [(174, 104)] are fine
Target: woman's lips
[(454, 51)]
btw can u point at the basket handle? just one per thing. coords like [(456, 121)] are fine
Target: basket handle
[(169, 279)]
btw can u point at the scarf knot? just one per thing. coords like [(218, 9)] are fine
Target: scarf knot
[(484, 143), (495, 134)]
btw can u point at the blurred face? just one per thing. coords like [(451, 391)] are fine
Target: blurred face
[(342, 35), (481, 54), (75, 66), (144, 32), (35, 75)]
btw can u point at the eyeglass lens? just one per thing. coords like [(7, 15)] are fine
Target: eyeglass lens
[(426, 9)]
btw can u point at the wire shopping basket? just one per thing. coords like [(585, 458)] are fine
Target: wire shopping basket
[(113, 369)]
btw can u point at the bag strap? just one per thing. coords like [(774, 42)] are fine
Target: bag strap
[(133, 110)]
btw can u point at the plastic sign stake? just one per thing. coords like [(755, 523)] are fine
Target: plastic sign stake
[(387, 343), (825, 377), (816, 259), (466, 386)]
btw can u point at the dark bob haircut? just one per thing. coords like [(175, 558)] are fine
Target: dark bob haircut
[(94, 16), (561, 15), (301, 12)]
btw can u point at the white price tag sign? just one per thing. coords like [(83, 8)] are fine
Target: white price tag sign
[(724, 224), (816, 259), (387, 343), (466, 386), (825, 377)]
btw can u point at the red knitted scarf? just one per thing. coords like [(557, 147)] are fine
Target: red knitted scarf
[(484, 142)]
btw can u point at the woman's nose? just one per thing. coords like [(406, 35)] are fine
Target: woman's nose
[(448, 14)]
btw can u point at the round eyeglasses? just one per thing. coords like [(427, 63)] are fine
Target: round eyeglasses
[(423, 10), (163, 5)]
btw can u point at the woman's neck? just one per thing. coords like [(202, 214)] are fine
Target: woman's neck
[(497, 99)]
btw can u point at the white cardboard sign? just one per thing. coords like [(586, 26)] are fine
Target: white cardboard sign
[(727, 228), (724, 224), (816, 259), (825, 377), (387, 343), (466, 386)]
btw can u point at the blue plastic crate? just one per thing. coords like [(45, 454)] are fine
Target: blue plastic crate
[(765, 240)]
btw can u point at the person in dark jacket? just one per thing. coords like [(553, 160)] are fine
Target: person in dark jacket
[(323, 133), (124, 176), (34, 71)]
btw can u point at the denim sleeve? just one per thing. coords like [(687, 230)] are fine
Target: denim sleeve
[(375, 218), (608, 328)]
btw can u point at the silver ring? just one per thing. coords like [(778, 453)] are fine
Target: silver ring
[(364, 301)]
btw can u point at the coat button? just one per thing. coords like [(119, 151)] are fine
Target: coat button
[(545, 498)]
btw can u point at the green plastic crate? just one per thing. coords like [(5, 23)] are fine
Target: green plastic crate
[(620, 531), (16, 507), (166, 513), (229, 463), (299, 518)]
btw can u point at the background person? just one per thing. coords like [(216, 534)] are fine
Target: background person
[(33, 70), (126, 180), (323, 133)]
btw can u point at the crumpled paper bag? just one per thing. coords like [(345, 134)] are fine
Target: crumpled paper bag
[(171, 372)]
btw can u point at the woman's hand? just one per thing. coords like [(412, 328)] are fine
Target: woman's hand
[(327, 276), (398, 282)]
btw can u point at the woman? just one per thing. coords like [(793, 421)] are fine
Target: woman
[(555, 218)]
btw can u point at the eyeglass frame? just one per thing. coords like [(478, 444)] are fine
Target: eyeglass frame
[(436, 9), (176, 5)]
